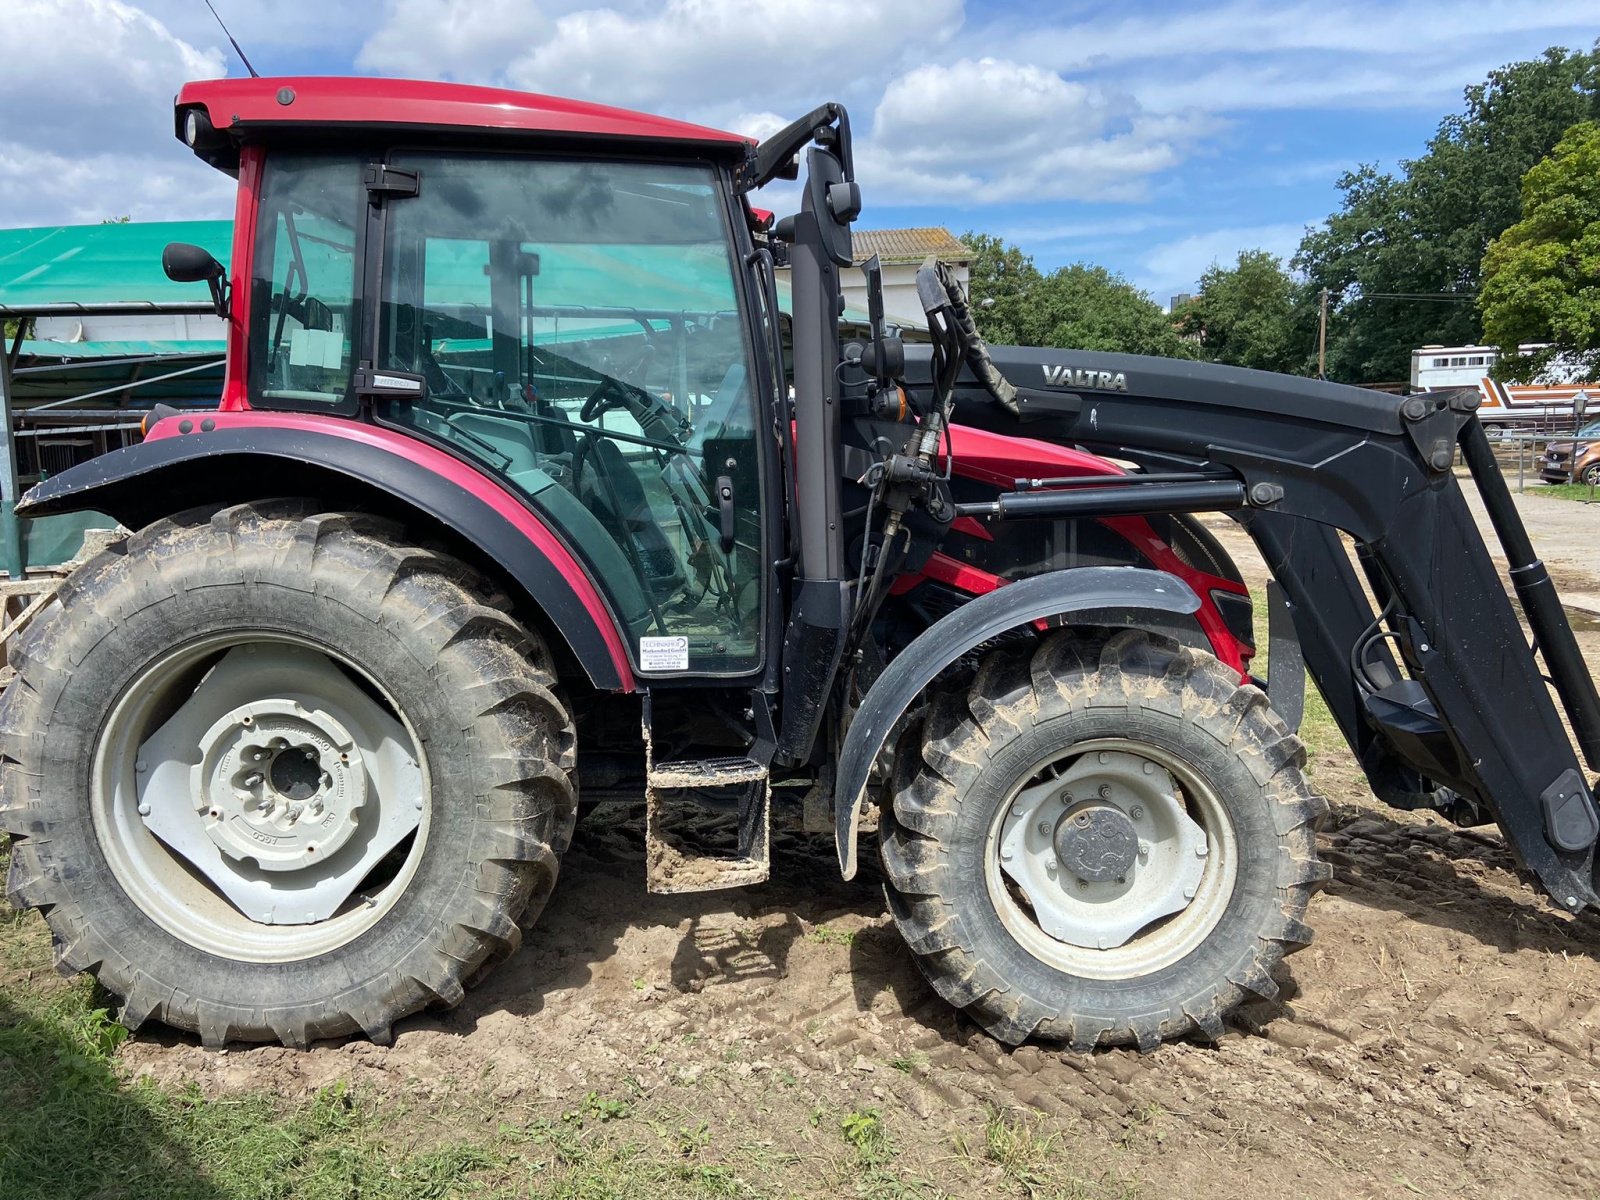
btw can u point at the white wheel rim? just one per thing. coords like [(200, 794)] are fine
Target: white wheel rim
[(198, 765), (1169, 900)]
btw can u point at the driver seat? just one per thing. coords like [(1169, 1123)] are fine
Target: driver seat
[(624, 509)]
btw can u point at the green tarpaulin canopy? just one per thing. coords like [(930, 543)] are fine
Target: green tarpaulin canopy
[(102, 265)]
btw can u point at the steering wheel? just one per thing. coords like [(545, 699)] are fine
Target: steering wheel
[(598, 401)]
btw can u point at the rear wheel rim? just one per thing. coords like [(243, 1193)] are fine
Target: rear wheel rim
[(1165, 935), (208, 752)]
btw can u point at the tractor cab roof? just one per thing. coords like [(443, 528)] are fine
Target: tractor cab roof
[(310, 109)]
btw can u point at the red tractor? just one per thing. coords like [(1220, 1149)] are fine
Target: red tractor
[(524, 487)]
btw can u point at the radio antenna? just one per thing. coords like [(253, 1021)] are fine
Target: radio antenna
[(254, 74)]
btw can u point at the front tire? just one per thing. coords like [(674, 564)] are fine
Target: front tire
[(274, 774), (1101, 841)]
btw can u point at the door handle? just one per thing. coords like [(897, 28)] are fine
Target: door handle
[(725, 511)]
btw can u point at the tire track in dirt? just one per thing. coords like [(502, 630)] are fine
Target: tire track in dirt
[(1439, 1033)]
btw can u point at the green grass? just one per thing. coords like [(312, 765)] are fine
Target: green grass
[(1318, 730), (75, 1128), (832, 935), (1564, 491), (1034, 1162)]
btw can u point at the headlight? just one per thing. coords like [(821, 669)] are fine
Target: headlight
[(191, 127)]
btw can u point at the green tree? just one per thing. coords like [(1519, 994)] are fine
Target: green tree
[(1084, 307), (1541, 277), (1249, 315), (1080, 307), (1001, 277), (1423, 232)]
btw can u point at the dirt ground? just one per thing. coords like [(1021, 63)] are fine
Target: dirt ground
[(1438, 1038)]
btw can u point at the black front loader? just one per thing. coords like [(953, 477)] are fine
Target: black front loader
[(1468, 725)]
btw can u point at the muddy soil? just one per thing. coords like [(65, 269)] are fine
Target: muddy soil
[(1438, 1037)]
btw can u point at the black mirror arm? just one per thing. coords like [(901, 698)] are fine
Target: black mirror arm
[(775, 157), (221, 297)]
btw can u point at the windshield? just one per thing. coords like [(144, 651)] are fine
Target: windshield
[(303, 314), (577, 325)]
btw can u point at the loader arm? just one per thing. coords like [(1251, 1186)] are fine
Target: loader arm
[(1465, 706)]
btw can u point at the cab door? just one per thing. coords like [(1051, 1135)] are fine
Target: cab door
[(580, 328)]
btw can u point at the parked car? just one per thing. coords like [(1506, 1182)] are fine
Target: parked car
[(1575, 461)]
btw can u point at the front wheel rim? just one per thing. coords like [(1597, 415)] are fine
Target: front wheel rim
[(259, 797), (1182, 906)]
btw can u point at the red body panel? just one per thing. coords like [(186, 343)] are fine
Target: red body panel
[(419, 104), (235, 395), (998, 460), (457, 472)]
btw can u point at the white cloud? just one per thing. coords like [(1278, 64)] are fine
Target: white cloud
[(986, 130), (700, 59), (1259, 54), (1359, 28), (1176, 266), (88, 126), (94, 72), (452, 38)]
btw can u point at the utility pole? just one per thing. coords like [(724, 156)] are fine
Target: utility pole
[(1322, 338)]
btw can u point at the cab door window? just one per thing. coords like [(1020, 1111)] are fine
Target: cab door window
[(578, 328), (303, 320)]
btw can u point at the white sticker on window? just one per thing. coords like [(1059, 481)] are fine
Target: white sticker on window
[(316, 348), (663, 654)]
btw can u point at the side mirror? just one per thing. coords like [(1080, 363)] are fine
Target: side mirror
[(184, 263)]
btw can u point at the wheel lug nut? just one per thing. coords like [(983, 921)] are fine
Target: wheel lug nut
[(1050, 863), (144, 810), (1105, 791), (1044, 828), (1138, 812), (253, 781), (1066, 797)]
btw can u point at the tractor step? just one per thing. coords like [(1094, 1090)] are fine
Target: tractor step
[(688, 806)]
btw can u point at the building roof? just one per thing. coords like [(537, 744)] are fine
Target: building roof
[(246, 107), (66, 266), (70, 269), (908, 245)]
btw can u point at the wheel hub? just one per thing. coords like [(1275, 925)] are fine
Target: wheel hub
[(1096, 842), (279, 784), (1103, 850)]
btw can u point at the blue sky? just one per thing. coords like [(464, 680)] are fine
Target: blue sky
[(1153, 138)]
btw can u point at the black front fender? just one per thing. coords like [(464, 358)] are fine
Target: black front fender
[(1114, 595), (237, 462)]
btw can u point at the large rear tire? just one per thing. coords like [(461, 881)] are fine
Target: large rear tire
[(1101, 841), (274, 774)]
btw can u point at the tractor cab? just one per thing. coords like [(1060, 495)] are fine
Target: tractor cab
[(571, 320)]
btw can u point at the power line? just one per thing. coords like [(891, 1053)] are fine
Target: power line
[(1425, 297)]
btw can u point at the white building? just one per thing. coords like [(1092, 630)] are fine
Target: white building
[(901, 251)]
